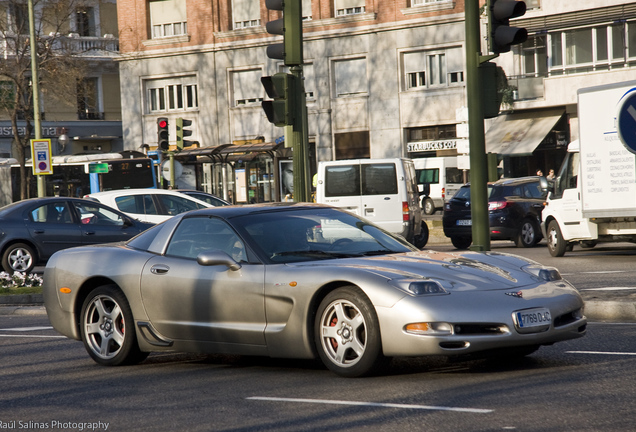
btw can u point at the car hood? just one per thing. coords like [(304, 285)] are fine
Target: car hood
[(455, 271)]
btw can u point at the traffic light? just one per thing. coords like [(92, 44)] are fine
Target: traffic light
[(182, 132), (500, 34), (291, 27), (163, 135), (281, 87)]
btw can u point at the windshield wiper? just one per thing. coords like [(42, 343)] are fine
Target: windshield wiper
[(313, 252)]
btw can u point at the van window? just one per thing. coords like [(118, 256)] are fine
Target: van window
[(454, 175), (427, 175), (379, 179), (342, 180)]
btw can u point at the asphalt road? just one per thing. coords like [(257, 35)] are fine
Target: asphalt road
[(50, 382)]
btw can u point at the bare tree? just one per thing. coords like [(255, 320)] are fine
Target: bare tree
[(60, 65)]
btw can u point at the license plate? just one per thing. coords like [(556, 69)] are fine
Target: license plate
[(529, 320), (465, 222)]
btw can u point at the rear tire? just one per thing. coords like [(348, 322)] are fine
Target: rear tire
[(556, 244), (528, 235), (461, 243), (347, 334), (107, 328), (18, 257)]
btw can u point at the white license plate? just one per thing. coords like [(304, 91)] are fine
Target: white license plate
[(465, 222), (532, 318)]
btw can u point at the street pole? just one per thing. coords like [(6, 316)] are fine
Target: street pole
[(35, 88), (477, 142), (300, 141)]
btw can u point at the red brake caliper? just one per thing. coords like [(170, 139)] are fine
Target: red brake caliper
[(333, 323)]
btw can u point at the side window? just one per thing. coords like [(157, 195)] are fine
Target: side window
[(379, 179), (95, 215), (57, 213), (138, 204), (342, 180), (568, 175), (175, 205), (428, 175), (533, 190), (195, 235)]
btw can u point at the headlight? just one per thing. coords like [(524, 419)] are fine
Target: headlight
[(420, 287), (547, 274)]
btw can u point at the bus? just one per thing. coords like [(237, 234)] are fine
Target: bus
[(80, 175)]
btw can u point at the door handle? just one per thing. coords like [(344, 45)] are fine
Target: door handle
[(159, 269), (38, 231)]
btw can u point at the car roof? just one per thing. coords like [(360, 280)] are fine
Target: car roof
[(511, 181), (240, 210), (133, 191)]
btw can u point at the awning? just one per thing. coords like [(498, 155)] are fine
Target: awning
[(520, 134), (224, 151)]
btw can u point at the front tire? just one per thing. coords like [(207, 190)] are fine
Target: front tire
[(528, 235), (556, 244), (107, 328), (428, 206), (18, 257), (347, 334)]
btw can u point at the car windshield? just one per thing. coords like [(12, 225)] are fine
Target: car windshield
[(315, 234)]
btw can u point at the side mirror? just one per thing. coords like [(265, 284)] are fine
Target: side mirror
[(217, 257), (544, 183), (426, 189)]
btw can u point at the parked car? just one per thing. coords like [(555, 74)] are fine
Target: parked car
[(514, 207), (204, 196), (149, 205), (32, 230), (301, 281)]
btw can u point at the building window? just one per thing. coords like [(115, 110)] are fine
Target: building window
[(172, 94), (306, 10), (85, 22), (349, 7), (246, 87), (433, 69), (351, 77), (352, 145), (432, 133), (246, 13), (19, 18), (88, 100), (168, 18), (579, 50)]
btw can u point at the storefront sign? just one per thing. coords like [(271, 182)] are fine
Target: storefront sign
[(432, 145)]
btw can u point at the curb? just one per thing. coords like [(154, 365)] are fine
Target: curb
[(22, 310)]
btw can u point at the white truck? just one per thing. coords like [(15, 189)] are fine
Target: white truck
[(594, 194), (438, 178)]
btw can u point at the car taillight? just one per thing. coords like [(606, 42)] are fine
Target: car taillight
[(496, 205), (405, 211)]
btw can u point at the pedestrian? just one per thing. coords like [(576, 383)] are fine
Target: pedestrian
[(550, 174), (540, 173)]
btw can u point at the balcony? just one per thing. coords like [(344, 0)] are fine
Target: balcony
[(106, 47)]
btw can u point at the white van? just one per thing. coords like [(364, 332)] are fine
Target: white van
[(381, 190), (438, 178)]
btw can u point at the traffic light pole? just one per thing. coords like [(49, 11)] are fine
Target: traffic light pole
[(300, 141), (477, 141)]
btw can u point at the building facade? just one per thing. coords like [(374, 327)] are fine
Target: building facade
[(88, 119), (380, 76), (382, 79)]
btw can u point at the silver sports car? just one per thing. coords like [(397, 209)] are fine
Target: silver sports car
[(301, 281)]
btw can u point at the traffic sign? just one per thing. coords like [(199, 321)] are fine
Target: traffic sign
[(97, 168), (626, 120), (41, 156)]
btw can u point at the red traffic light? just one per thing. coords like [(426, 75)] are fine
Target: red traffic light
[(163, 123)]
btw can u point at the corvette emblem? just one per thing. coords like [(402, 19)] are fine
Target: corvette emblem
[(517, 294)]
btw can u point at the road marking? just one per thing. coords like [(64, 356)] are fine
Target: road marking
[(29, 336), (601, 353), (608, 289), (372, 404), (21, 329)]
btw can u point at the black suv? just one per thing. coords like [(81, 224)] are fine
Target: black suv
[(514, 207)]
